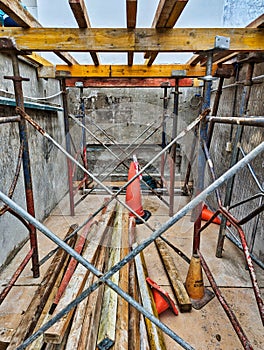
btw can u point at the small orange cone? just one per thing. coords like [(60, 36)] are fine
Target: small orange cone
[(194, 284), (133, 194), (207, 214), (162, 299)]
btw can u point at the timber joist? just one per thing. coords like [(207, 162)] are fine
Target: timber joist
[(120, 71), (132, 40)]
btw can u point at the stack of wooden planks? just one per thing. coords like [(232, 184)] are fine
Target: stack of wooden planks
[(103, 320)]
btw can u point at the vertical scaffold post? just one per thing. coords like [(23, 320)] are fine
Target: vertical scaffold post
[(84, 149), (23, 134), (202, 139), (173, 149), (68, 143), (165, 98)]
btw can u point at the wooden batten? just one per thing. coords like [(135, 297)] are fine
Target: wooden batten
[(122, 341), (155, 335), (55, 334), (134, 40), (131, 12), (107, 328), (166, 16), (134, 315), (81, 15), (32, 314), (176, 282)]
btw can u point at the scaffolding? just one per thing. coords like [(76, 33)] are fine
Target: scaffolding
[(203, 126)]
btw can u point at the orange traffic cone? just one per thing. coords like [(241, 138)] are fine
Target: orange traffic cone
[(207, 214), (133, 195), (162, 299), (195, 286)]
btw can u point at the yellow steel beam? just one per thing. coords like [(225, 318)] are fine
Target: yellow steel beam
[(121, 71), (81, 15), (24, 19), (137, 40), (131, 13)]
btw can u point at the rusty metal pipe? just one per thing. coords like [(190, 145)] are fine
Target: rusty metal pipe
[(23, 134), (250, 265), (250, 121), (15, 276), (68, 143), (237, 327), (214, 111)]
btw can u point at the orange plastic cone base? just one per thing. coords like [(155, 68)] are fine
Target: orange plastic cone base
[(207, 214), (133, 193), (161, 298)]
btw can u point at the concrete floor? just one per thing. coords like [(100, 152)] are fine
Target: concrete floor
[(208, 328)]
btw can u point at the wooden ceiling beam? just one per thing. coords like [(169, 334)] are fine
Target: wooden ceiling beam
[(79, 10), (24, 19), (167, 14), (122, 71), (134, 40), (131, 14)]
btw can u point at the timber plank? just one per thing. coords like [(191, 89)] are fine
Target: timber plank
[(122, 324), (107, 328), (55, 334), (38, 343), (122, 71), (178, 288), (90, 326), (41, 295), (134, 333), (81, 15), (155, 335), (134, 40)]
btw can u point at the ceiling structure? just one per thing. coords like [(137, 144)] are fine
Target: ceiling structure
[(161, 37)]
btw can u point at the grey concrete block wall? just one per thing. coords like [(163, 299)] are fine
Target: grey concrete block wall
[(48, 166), (124, 113)]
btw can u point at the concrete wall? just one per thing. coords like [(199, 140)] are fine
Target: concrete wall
[(49, 172), (125, 113)]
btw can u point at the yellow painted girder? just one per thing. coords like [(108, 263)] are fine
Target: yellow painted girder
[(121, 71), (137, 40)]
